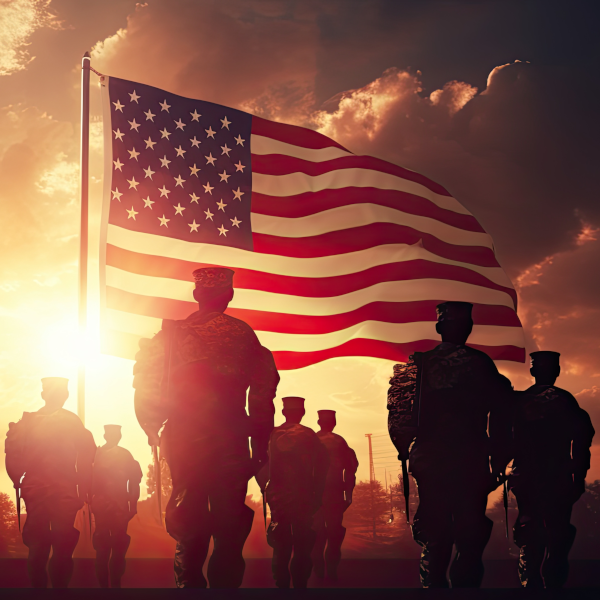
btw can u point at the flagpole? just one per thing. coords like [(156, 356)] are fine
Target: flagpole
[(83, 232)]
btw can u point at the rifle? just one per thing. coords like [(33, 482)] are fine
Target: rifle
[(158, 479), (406, 489), (505, 501), (18, 493)]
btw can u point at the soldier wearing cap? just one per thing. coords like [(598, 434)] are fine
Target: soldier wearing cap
[(297, 472), (115, 493), (49, 456), (337, 497), (552, 437), (192, 377), (442, 404)]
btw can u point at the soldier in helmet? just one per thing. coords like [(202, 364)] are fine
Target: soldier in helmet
[(552, 436), (337, 497), (193, 376), (49, 456), (297, 471), (439, 404), (115, 493)]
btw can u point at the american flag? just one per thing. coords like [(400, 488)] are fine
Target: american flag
[(334, 254)]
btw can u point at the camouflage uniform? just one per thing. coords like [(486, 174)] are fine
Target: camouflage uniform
[(450, 456), (340, 482), (214, 359), (55, 452), (298, 467), (116, 489), (552, 456)]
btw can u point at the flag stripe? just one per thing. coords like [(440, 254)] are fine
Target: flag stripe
[(302, 205), (264, 145)]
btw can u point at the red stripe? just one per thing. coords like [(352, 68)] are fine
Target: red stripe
[(386, 350), (384, 312), (310, 203), (370, 236), (312, 287)]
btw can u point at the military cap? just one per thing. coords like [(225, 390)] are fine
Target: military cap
[(213, 277), (293, 402), (326, 414), (545, 358), (54, 383), (454, 311), (112, 429)]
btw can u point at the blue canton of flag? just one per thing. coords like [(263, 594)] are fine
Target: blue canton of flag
[(182, 168)]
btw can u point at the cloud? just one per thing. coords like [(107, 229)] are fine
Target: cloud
[(19, 19)]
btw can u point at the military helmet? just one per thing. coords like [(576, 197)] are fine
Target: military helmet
[(293, 402), (112, 429), (545, 358), (213, 277), (454, 311), (51, 384), (326, 414)]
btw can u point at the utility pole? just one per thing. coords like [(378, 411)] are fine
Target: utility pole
[(372, 481)]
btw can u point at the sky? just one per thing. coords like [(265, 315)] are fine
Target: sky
[(495, 100)]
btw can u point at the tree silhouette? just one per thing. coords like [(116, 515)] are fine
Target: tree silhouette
[(9, 530), (586, 517), (370, 506), (166, 483)]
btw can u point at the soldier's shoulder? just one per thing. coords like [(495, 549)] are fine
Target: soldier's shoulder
[(69, 417)]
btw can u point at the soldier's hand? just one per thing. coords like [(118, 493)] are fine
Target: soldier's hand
[(153, 439), (578, 490)]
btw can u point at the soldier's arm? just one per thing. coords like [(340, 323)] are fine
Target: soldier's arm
[(320, 468), (500, 419), (13, 447), (133, 486), (583, 434), (400, 399), (350, 468), (86, 452), (147, 377), (263, 387)]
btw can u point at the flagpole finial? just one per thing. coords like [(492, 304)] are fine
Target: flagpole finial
[(86, 54)]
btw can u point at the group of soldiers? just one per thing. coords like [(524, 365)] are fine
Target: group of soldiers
[(205, 386)]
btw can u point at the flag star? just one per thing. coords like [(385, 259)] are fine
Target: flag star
[(225, 122), (195, 143), (133, 183), (221, 205), (116, 194), (133, 154), (194, 226), (207, 188), (180, 151), (131, 213), (163, 221), (165, 134), (210, 159), (210, 133), (164, 191), (179, 209), (164, 106), (179, 181), (224, 177), (235, 222), (118, 164), (118, 105), (134, 125), (164, 161), (149, 143), (239, 141), (148, 203), (194, 170), (118, 135), (222, 231), (194, 198), (150, 115), (225, 149), (134, 97), (196, 116), (237, 194), (180, 124), (149, 172), (239, 166), (208, 214)]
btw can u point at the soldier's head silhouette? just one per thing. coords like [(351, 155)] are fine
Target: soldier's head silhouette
[(327, 420), (55, 391), (454, 321), (293, 409), (545, 367), (112, 435), (214, 288)]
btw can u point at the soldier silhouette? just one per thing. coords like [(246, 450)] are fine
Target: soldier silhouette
[(194, 375), (297, 470), (552, 437), (115, 492), (49, 456), (337, 497), (441, 399)]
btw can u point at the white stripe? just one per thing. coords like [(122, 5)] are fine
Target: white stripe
[(357, 215), (485, 335), (324, 266), (299, 183), (413, 290), (264, 145)]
